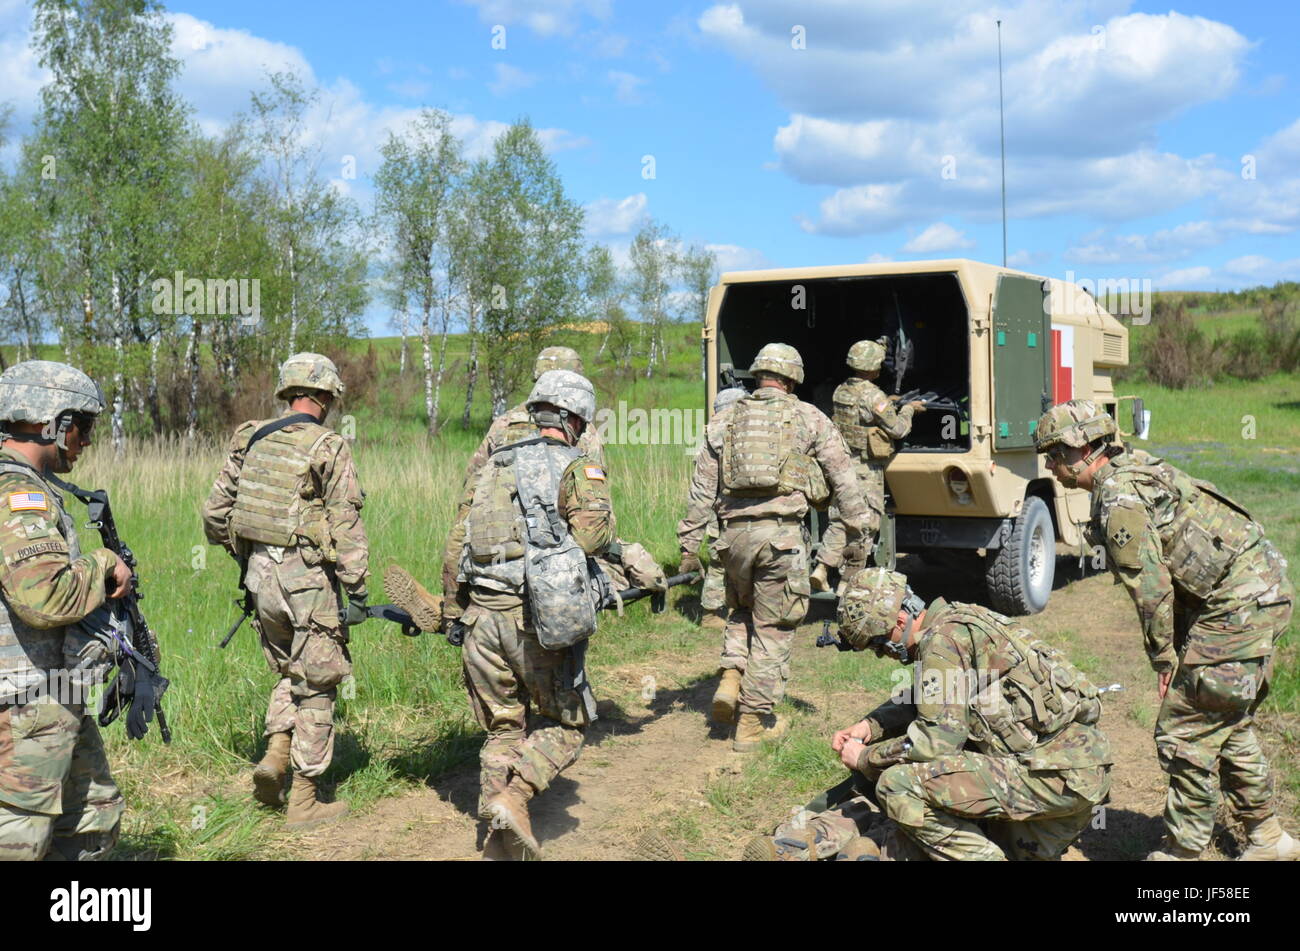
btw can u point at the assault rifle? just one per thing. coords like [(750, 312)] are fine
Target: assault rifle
[(245, 604), (932, 399), (139, 685), (658, 604)]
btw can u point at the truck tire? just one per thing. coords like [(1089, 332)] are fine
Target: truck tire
[(1019, 575)]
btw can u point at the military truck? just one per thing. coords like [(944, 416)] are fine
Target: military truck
[(989, 348)]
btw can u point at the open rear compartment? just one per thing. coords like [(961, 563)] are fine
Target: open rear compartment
[(924, 317)]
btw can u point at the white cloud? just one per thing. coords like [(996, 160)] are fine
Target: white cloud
[(626, 86), (510, 78), (543, 17), (609, 216), (733, 257), (1188, 278), (895, 103), (1164, 245), (940, 236)]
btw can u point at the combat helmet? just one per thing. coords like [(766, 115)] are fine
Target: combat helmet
[(308, 371), (556, 358), (779, 358), (572, 393), (1073, 423), (43, 391), (868, 611), (726, 397), (866, 355)]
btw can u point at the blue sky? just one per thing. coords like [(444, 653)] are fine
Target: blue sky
[(1129, 125)]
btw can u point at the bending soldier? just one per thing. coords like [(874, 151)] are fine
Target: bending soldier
[(57, 797), (1212, 597), (537, 509), (871, 426), (287, 506), (763, 463), (993, 751)]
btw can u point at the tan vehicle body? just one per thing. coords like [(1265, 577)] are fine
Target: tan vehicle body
[(971, 334)]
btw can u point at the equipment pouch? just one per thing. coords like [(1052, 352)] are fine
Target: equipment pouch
[(880, 445), (802, 473), (560, 595), (1202, 545)]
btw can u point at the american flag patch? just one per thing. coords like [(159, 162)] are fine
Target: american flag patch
[(28, 502), (594, 472)]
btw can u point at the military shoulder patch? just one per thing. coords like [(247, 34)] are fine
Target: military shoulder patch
[(594, 472), (1124, 528), (28, 502)]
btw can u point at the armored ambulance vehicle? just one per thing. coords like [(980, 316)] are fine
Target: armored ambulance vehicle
[(989, 348)]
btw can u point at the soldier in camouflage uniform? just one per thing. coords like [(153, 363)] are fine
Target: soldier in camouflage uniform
[(871, 424), (763, 463), (628, 564), (713, 593), (57, 798), (287, 505), (1212, 597), (993, 752), (507, 668)]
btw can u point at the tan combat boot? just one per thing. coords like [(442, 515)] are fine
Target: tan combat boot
[(1171, 851), (509, 812), (818, 580), (305, 810), (412, 597), (726, 697), (791, 847), (1269, 842), (714, 621), (753, 728), (268, 775)]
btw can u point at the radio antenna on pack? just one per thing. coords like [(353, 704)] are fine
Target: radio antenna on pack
[(1002, 138)]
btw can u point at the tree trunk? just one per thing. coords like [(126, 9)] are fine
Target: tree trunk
[(293, 304), (430, 403), (155, 411), (403, 325), (471, 369), (192, 367)]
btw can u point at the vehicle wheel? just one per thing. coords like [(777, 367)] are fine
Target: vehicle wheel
[(1019, 574)]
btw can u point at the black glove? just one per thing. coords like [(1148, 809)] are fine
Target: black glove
[(148, 690), (355, 612)]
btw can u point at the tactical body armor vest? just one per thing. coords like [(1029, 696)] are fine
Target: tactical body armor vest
[(847, 401), (762, 452), (27, 653), (1207, 532), (276, 503), (1029, 691), (517, 541)]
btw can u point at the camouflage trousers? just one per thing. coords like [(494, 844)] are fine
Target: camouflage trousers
[(713, 593), (871, 477), (969, 806), (1205, 739), (303, 641), (765, 561), (57, 797), (520, 694)]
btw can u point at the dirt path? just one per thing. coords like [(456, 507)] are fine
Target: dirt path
[(652, 763)]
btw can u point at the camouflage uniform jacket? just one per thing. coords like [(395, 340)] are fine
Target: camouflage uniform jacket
[(711, 527), (511, 426), (584, 505), (46, 582), (1142, 510), (823, 442), (333, 478), (941, 712), (874, 410)]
